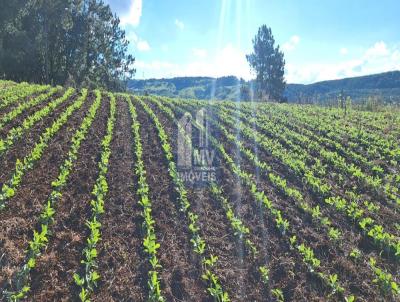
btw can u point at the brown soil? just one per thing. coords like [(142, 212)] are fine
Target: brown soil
[(21, 214), (121, 262), (28, 112), (52, 278), (333, 256), (237, 270), (25, 144), (180, 276)]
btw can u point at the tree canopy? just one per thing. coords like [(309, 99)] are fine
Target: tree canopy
[(72, 42), (269, 64)]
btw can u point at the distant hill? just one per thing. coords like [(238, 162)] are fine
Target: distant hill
[(190, 87), (385, 86)]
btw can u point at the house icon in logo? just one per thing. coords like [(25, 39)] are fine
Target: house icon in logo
[(195, 157)]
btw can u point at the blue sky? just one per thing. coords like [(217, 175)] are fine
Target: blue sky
[(321, 40)]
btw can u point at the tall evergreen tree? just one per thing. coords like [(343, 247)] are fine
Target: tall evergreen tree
[(78, 42), (269, 65)]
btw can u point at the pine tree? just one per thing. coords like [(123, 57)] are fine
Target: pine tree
[(269, 65)]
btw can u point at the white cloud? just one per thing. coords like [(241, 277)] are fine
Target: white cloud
[(396, 56), (153, 66), (295, 39), (199, 53), (291, 44), (143, 45), (344, 51), (321, 71), (134, 14), (227, 61), (378, 50), (132, 37), (179, 24), (140, 44), (232, 61), (378, 58)]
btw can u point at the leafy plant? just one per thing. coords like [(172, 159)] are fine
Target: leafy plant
[(278, 294), (334, 284), (264, 271), (384, 279), (334, 234), (355, 254)]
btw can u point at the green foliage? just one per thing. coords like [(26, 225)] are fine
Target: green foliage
[(224, 88), (150, 243), (350, 299), (278, 294), (40, 237), (21, 167), (384, 87), (7, 118), (293, 148), (269, 64), (199, 246), (351, 205), (385, 280), (355, 254), (16, 132), (264, 271), (282, 224), (241, 231), (334, 284), (369, 93), (87, 282), (64, 42)]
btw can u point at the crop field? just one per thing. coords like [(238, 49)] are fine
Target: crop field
[(117, 197)]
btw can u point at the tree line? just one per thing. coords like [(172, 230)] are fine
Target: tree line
[(66, 42)]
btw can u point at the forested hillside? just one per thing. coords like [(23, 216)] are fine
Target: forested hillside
[(190, 87), (384, 86)]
